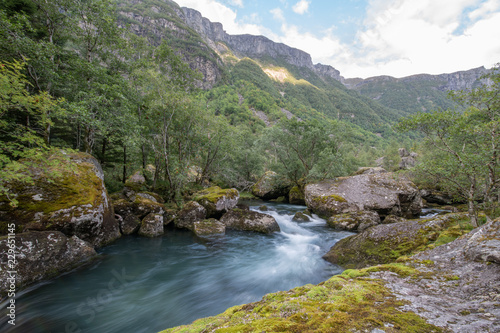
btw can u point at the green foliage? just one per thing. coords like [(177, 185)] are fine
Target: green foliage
[(304, 150), (463, 148)]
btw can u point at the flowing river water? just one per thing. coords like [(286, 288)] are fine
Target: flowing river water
[(147, 285)]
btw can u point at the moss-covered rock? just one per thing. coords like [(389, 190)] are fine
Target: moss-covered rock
[(67, 194), (152, 225), (357, 221), (385, 193), (217, 201), (385, 243), (301, 217), (209, 227), (40, 255), (296, 196), (271, 186), (189, 214), (248, 220), (484, 243)]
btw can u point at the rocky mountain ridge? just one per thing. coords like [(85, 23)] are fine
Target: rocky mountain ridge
[(461, 80), (253, 46)]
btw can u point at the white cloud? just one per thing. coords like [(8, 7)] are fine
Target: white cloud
[(404, 37), (278, 14), (301, 7), (238, 3)]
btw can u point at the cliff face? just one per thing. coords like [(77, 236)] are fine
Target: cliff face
[(253, 46), (462, 80)]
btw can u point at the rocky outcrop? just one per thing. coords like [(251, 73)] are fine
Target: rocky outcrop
[(385, 243), (370, 170), (67, 195), (191, 212), (271, 186), (247, 220), (357, 221), (40, 255), (217, 201), (210, 227), (483, 244), (437, 197), (384, 193)]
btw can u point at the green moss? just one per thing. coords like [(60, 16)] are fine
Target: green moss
[(214, 193), (328, 198), (340, 304)]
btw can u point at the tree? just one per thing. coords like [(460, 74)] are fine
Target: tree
[(19, 140), (305, 150)]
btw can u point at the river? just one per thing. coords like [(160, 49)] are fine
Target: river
[(147, 285)]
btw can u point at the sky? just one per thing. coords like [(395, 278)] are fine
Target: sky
[(364, 38)]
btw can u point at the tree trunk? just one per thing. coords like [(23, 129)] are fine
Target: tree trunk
[(124, 163), (472, 207)]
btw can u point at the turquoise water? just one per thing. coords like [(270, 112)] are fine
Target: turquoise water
[(147, 285)]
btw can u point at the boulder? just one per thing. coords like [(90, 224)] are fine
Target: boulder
[(217, 201), (191, 212), (271, 186), (248, 220), (357, 221), (41, 255), (385, 193), (169, 216), (140, 207), (129, 224), (296, 196), (385, 243), (484, 243), (301, 217), (67, 195), (151, 225), (209, 227)]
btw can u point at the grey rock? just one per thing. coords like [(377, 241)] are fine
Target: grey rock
[(209, 227), (301, 217), (385, 193), (152, 225), (189, 214), (237, 219), (483, 244), (41, 255), (357, 221)]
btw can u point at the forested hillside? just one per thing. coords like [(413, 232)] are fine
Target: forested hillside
[(146, 85)]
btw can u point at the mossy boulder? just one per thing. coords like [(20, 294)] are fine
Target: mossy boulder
[(189, 214), (217, 201), (152, 225), (41, 255), (393, 219), (369, 170), (248, 220), (385, 243), (129, 224), (296, 196), (301, 217), (384, 193), (209, 227), (136, 182), (271, 186), (68, 195), (357, 221)]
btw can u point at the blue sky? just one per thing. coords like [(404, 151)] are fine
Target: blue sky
[(364, 38)]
